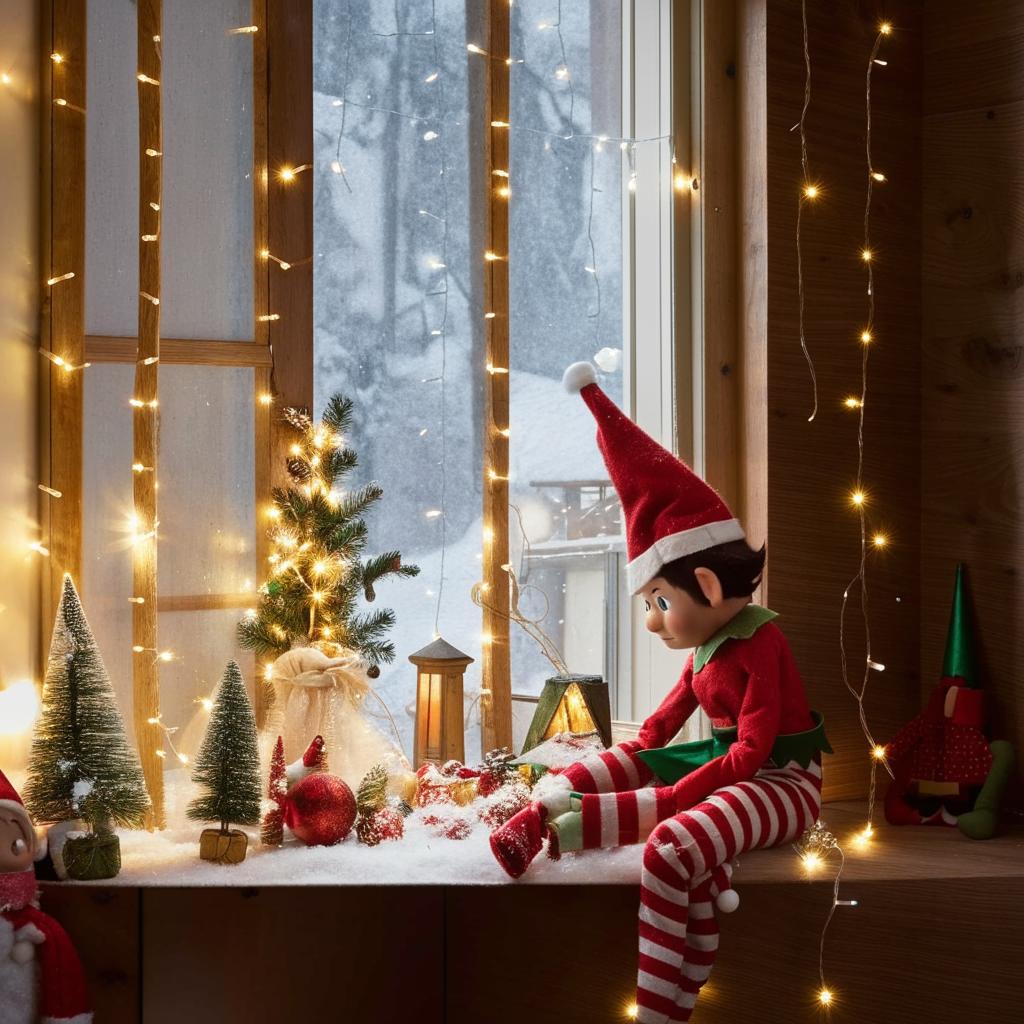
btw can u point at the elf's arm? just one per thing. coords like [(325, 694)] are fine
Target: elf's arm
[(757, 726), (671, 714)]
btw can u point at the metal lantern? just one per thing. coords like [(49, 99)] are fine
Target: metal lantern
[(573, 704), (440, 722)]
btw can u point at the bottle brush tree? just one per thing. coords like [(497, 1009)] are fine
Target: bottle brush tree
[(81, 764), (228, 763), (317, 570)]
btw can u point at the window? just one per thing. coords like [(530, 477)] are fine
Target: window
[(400, 226)]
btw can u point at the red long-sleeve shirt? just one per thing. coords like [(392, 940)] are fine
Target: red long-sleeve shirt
[(751, 683)]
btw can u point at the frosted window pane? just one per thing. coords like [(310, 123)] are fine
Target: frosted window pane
[(565, 271), (206, 509), (207, 487), (379, 298), (106, 581), (207, 289)]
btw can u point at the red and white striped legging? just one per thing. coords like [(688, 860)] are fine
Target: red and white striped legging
[(686, 858)]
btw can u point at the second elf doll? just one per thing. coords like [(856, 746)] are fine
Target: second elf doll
[(756, 783)]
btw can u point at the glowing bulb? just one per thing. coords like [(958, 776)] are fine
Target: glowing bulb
[(810, 191), (160, 753), (57, 58), (878, 752), (432, 77), (296, 449), (336, 166), (183, 758), (504, 191), (286, 174), (319, 568), (632, 1011), (499, 174), (486, 639), (266, 398), (39, 548), (5, 78), (432, 513), (145, 78), (878, 176), (326, 632), (19, 706), (879, 540), (244, 30), (866, 336), (62, 277), (429, 136), (153, 152), (853, 403), (473, 48), (562, 73), (317, 596), (866, 255), (268, 318), (812, 862), (885, 28), (491, 257), (206, 703), (857, 498), (488, 534), (825, 997), (500, 124), (268, 672), (166, 655)]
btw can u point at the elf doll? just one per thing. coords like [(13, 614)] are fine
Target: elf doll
[(756, 783), (41, 978)]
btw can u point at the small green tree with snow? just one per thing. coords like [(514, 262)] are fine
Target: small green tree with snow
[(228, 762), (81, 764)]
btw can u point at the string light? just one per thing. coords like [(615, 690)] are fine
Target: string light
[(244, 30), (51, 491), (147, 80), (289, 174), (51, 281), (39, 548), (808, 194), (56, 58)]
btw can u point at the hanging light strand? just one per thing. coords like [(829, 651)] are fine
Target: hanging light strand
[(808, 192)]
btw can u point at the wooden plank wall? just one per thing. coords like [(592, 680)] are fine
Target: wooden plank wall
[(973, 338), (813, 539)]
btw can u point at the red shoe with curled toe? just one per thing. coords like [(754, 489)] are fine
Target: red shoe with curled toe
[(520, 839)]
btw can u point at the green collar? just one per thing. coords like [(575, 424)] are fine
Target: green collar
[(742, 626)]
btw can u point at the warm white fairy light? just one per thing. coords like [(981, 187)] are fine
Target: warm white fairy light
[(51, 491), (244, 30), (51, 281), (39, 548), (808, 194), (146, 79)]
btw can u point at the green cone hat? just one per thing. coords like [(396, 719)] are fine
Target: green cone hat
[(960, 660)]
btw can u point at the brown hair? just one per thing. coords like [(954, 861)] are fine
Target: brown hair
[(736, 564)]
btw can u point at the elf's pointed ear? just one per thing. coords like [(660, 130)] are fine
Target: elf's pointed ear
[(710, 585)]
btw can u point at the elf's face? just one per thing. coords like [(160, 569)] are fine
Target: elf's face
[(679, 619), (16, 846)]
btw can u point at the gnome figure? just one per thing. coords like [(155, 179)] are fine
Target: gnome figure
[(696, 806), (945, 770), (41, 978)]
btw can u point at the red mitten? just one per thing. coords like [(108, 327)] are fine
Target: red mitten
[(520, 839)]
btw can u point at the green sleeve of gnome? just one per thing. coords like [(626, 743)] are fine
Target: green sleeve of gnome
[(981, 821)]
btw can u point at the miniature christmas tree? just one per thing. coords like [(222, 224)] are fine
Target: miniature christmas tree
[(272, 829), (317, 572), (81, 764), (228, 766)]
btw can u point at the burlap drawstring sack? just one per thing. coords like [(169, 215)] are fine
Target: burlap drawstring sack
[(316, 695)]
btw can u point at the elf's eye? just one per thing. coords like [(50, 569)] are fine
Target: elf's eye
[(662, 603), (18, 847)]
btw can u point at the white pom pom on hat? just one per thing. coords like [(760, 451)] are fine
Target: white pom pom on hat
[(578, 376)]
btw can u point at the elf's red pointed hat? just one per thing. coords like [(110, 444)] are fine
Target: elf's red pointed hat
[(670, 512)]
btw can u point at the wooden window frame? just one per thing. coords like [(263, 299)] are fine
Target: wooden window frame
[(281, 352)]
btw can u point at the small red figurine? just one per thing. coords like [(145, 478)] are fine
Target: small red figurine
[(41, 977)]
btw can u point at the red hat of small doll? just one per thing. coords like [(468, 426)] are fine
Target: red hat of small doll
[(669, 511)]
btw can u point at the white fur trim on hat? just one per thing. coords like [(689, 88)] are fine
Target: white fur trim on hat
[(645, 567), (577, 377)]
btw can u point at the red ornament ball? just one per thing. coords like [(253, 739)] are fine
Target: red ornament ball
[(320, 809)]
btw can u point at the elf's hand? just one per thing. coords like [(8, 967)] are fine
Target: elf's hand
[(552, 792)]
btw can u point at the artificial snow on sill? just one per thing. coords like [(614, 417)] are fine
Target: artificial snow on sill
[(171, 858)]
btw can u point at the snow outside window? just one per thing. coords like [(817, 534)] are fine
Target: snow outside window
[(399, 220)]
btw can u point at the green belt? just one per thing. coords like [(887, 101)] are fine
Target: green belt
[(673, 763)]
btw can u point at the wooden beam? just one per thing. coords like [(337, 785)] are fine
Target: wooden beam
[(719, 215), (63, 306), (101, 348), (496, 707), (263, 384), (204, 602), (146, 413)]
